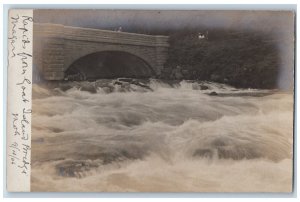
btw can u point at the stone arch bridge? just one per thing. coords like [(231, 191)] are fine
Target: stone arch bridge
[(56, 47)]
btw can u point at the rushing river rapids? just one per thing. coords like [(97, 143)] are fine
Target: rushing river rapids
[(134, 135)]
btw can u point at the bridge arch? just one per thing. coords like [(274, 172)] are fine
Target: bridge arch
[(57, 47), (109, 64)]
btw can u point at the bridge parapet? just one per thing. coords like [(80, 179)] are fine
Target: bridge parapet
[(88, 34)]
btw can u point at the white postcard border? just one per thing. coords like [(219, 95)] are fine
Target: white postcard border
[(19, 99)]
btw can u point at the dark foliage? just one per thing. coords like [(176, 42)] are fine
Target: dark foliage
[(241, 59)]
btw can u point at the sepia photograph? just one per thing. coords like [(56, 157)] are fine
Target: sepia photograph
[(162, 100)]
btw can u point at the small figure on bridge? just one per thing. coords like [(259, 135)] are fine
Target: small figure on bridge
[(119, 29)]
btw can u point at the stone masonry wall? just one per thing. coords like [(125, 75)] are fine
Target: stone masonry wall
[(56, 47)]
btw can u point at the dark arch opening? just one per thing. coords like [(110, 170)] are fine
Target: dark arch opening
[(108, 65)]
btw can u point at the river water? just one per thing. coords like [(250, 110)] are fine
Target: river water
[(154, 136)]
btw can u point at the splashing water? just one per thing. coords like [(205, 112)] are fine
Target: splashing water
[(154, 136)]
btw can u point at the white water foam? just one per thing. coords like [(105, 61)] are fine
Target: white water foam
[(171, 137)]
